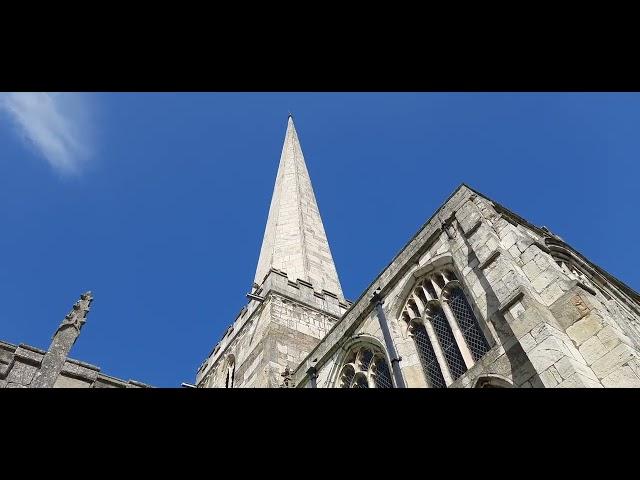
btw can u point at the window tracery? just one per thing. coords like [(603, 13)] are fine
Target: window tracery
[(445, 330), (365, 366)]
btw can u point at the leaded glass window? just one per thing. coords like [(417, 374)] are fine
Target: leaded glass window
[(445, 330), (468, 324), (448, 343), (427, 357)]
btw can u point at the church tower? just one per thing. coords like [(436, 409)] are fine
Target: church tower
[(296, 296)]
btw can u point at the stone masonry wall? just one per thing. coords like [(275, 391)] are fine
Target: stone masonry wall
[(271, 335), (19, 364), (546, 328)]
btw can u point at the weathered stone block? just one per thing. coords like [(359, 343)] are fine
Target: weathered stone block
[(515, 255), (634, 364), (29, 355), (542, 331), (610, 337), (613, 360), (511, 280), (544, 279), (568, 366), (551, 293), (623, 377), (468, 216), (550, 377), (592, 349), (21, 373), (570, 308), (531, 270), (509, 240), (15, 385), (529, 253), (69, 382), (527, 342), (583, 329), (547, 353), (523, 243), (579, 381)]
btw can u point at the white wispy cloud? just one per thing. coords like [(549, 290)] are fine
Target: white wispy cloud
[(56, 124)]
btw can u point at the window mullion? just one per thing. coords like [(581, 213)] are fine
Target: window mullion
[(437, 350)]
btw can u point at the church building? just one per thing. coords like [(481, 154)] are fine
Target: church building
[(478, 297)]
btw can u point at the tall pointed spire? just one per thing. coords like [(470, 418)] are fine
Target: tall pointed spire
[(294, 240)]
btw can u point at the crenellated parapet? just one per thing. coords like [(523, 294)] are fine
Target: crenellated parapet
[(318, 311)]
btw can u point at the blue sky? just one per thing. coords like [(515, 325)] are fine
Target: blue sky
[(157, 202)]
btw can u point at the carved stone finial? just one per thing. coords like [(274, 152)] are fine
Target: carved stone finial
[(63, 339), (77, 317)]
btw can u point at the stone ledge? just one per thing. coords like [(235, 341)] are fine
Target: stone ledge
[(7, 345), (276, 271), (489, 260), (83, 364), (541, 246), (29, 355), (509, 302), (32, 349), (473, 229), (330, 294), (109, 381), (136, 383), (586, 288), (80, 372)]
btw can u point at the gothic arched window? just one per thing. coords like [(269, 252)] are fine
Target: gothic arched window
[(365, 366), (446, 332)]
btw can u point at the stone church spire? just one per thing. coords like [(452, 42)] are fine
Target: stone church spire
[(294, 239)]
